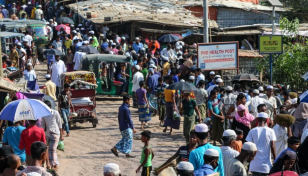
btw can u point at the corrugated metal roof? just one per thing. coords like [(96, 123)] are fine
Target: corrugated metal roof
[(239, 32), (152, 12), (249, 53), (231, 4)]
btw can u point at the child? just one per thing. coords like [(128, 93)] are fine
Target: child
[(147, 154), (14, 162), (238, 142)]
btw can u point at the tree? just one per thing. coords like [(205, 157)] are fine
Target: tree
[(296, 9)]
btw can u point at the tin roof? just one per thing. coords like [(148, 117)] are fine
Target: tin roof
[(249, 53), (239, 32), (249, 6), (165, 13)]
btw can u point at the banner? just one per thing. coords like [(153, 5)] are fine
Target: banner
[(270, 44), (218, 56)]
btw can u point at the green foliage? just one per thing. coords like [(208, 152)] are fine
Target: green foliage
[(289, 28), (296, 9)]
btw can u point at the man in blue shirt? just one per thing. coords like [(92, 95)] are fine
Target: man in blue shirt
[(293, 144), (210, 162), (105, 44), (127, 129), (212, 76), (196, 157), (152, 81), (137, 45), (4, 12), (11, 137)]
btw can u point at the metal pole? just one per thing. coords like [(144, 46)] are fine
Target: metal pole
[(273, 20), (205, 22), (1, 66), (271, 56)]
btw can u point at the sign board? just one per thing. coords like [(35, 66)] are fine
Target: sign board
[(270, 44), (218, 56)]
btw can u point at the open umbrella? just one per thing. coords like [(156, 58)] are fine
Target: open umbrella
[(284, 173), (245, 77), (24, 109), (67, 29), (50, 99), (65, 20), (88, 49), (52, 52), (168, 38), (182, 86)]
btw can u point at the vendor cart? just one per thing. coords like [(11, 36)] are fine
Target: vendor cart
[(83, 96)]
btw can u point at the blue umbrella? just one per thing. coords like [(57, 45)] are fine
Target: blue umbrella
[(168, 38), (24, 109), (304, 97)]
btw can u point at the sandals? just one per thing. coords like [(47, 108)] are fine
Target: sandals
[(115, 152)]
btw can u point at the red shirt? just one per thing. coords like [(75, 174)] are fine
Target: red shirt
[(29, 136)]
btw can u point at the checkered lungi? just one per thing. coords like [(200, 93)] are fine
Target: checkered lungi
[(52, 142)]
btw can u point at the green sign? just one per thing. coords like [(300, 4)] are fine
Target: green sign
[(270, 44)]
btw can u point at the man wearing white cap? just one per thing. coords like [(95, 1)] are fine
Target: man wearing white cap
[(210, 163), (226, 102), (4, 11), (166, 66), (212, 82), (256, 100), (185, 169), (13, 9), (264, 138), (38, 13), (200, 76), (270, 98), (196, 157), (191, 80), (50, 87), (261, 92), (57, 68), (29, 73), (137, 77), (91, 34), (218, 82), (228, 140), (22, 56), (112, 169), (236, 166), (167, 53), (137, 45)]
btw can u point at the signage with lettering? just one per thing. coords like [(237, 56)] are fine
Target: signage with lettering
[(218, 56), (270, 44)]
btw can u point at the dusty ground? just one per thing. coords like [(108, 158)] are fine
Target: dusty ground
[(87, 149)]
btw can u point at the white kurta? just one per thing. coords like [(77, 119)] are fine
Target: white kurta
[(227, 154), (281, 139), (138, 76), (58, 67), (255, 101)]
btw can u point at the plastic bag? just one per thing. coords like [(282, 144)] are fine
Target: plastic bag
[(60, 146)]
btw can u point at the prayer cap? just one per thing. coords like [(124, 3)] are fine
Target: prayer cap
[(113, 44), (39, 6), (82, 29), (123, 38), (137, 67), (91, 32), (249, 146), (18, 44), (111, 52), (229, 133), (165, 59), (26, 41), (261, 88), (201, 128), (217, 76), (151, 70), (186, 91), (79, 24), (219, 80), (191, 78), (112, 168), (29, 64), (143, 49), (77, 29), (29, 3), (14, 3), (74, 31), (33, 174), (229, 88), (262, 115), (137, 38), (269, 87), (102, 35), (71, 25), (3, 5), (47, 76), (182, 80), (211, 152), (61, 7), (178, 47), (50, 19), (256, 91), (152, 66), (212, 73), (184, 165)]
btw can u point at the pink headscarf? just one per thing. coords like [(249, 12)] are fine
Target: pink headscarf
[(247, 117)]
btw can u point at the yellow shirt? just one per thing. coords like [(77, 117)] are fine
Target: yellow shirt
[(168, 94), (166, 68), (68, 43), (50, 89), (14, 57)]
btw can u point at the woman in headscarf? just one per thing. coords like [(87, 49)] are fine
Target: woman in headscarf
[(242, 120), (287, 162)]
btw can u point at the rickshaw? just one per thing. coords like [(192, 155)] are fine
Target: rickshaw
[(83, 96), (7, 38), (94, 62)]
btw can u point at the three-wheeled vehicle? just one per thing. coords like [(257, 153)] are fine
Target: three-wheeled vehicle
[(8, 38), (94, 63), (83, 96)]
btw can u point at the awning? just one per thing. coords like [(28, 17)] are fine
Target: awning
[(249, 53), (239, 32), (163, 31)]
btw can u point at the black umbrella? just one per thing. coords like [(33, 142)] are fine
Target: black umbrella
[(65, 20), (52, 52), (245, 77), (88, 49), (50, 99), (168, 38), (182, 86)]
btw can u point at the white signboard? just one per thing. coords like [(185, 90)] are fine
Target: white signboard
[(218, 56)]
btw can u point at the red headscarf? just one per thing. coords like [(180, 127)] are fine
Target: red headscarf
[(247, 118)]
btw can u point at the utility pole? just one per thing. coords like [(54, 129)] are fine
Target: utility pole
[(205, 22), (1, 66), (271, 55)]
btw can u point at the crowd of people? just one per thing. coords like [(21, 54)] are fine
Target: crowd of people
[(245, 122)]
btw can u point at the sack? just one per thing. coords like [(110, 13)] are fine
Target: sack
[(60, 146), (176, 115)]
